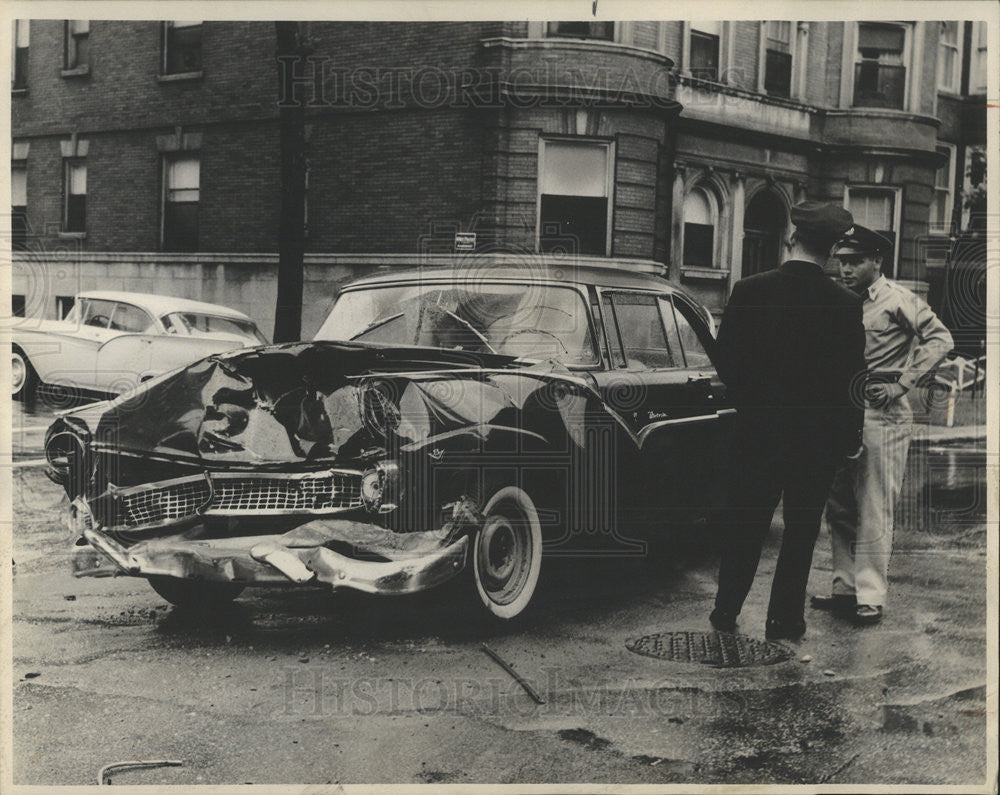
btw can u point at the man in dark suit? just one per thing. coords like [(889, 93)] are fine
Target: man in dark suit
[(791, 344)]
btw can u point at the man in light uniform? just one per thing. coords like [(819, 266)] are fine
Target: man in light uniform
[(903, 341)]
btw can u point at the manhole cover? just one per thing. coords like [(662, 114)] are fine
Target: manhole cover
[(718, 649)]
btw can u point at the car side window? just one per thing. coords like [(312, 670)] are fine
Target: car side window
[(617, 357), (98, 313), (643, 335), (694, 348), (670, 325), (130, 318)]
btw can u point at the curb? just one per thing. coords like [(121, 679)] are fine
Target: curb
[(935, 434)]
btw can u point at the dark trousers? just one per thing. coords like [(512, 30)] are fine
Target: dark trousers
[(761, 479)]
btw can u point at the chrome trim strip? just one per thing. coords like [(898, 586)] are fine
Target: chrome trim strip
[(411, 446), (655, 426)]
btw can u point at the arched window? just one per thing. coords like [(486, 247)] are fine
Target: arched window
[(764, 225), (699, 229)]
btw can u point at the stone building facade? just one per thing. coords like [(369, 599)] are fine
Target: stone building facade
[(145, 154)]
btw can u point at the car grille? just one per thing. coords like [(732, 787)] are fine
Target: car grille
[(232, 494)]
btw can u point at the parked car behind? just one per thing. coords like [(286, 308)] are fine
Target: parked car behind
[(441, 422), (112, 341)]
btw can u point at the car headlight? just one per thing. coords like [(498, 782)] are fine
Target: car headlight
[(63, 451), (380, 488)]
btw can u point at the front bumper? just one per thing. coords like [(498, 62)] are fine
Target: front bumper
[(410, 561)]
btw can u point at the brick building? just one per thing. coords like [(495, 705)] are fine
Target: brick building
[(145, 154)]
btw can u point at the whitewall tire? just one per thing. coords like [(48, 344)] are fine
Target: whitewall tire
[(507, 553)]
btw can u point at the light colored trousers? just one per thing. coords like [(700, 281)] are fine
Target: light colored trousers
[(860, 507)]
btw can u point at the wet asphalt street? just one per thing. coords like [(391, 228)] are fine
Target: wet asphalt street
[(305, 686)]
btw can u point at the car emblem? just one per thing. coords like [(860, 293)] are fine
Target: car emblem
[(437, 453)]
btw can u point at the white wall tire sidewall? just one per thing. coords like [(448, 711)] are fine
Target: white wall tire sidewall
[(527, 506), (18, 358)]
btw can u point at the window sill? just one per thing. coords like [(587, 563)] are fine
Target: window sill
[(177, 77), (18, 92), (72, 235), (78, 71), (705, 274)]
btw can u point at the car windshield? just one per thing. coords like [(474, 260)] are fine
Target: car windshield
[(534, 321), (196, 324)]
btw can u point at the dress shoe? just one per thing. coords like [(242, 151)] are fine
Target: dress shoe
[(723, 621), (836, 603), (784, 630), (867, 615)]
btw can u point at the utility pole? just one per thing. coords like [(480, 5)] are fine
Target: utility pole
[(291, 53)]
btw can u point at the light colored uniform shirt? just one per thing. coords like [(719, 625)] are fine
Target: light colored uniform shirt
[(902, 333)]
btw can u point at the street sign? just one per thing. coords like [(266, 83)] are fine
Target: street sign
[(465, 241)]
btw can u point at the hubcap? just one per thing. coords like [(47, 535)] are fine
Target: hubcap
[(498, 549), (504, 555), (18, 372)]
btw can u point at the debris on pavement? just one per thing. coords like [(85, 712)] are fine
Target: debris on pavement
[(32, 675), (517, 677), (806, 658), (102, 776), (829, 672)]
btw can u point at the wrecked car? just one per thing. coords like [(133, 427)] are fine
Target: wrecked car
[(442, 424)]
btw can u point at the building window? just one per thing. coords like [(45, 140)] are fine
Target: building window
[(699, 230), (950, 57), (574, 197), (944, 191), (19, 204), (181, 47), (974, 188), (74, 196), (705, 50), (17, 306), (181, 181), (778, 43), (76, 49), (64, 305), (879, 71), (19, 63), (876, 208), (603, 31), (977, 66)]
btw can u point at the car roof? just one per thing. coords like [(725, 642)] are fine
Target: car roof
[(162, 304), (569, 273)]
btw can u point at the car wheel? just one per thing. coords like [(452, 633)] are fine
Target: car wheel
[(507, 553), (24, 379), (195, 593)]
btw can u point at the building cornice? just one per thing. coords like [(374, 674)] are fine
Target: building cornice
[(588, 46)]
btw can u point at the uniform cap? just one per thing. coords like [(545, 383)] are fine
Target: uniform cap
[(821, 219), (862, 240)]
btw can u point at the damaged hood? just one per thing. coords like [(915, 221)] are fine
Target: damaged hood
[(323, 402)]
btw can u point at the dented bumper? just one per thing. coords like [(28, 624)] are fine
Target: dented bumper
[(406, 562)]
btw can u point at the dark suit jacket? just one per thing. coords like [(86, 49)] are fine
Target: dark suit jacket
[(791, 350)]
